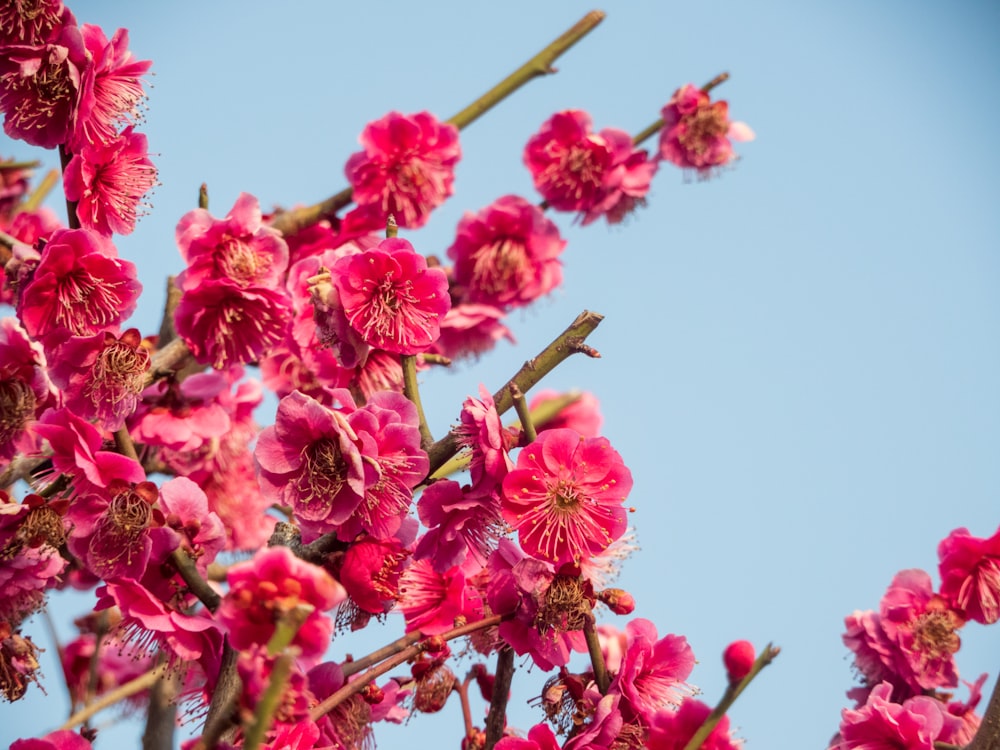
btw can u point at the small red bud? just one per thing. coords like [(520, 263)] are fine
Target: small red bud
[(738, 658), (619, 601)]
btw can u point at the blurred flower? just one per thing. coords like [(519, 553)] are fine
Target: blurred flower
[(970, 574), (697, 132)]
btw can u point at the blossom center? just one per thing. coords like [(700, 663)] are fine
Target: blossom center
[(239, 262), (325, 471), (17, 404), (566, 607), (118, 373), (934, 634), (703, 128), (566, 497), (497, 264)]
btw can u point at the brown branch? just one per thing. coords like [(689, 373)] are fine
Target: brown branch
[(988, 735), (496, 719)]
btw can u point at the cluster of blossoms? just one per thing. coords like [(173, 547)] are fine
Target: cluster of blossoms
[(905, 651), (148, 476)]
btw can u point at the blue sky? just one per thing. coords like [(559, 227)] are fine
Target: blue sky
[(799, 359)]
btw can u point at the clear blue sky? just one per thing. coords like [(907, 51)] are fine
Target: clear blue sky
[(800, 358)]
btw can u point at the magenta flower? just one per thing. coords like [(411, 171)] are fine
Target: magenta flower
[(461, 525), (432, 601), (672, 730), (738, 658), (507, 255), (77, 452), (884, 725), (406, 169), (565, 495), (970, 574), (582, 414), (80, 286), (469, 330), (310, 460), (370, 570), (391, 298), (540, 737), (101, 376), (39, 88), (239, 248), (25, 389), (185, 416), (33, 23), (61, 739), (576, 169), (185, 510), (697, 132), (24, 577), (117, 532), (481, 431), (108, 181), (110, 89), (653, 671), (224, 324), (267, 588)]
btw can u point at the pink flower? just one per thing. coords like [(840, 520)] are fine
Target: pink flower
[(576, 169), (24, 577), (540, 737), (108, 180), (653, 671), (672, 730), (507, 255), (391, 297), (970, 574), (18, 663), (25, 389), (321, 322), (61, 739), (268, 588), (255, 668), (239, 248), (431, 601), (80, 286), (117, 533), (117, 665), (469, 330), (696, 132), (110, 89), (77, 452), (883, 725), (183, 416), (101, 376), (224, 324), (370, 570), (481, 431), (33, 23), (39, 88), (564, 498), (406, 169), (185, 509), (460, 525), (581, 411)]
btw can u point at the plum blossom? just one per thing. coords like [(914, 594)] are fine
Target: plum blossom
[(970, 574), (391, 297), (507, 255), (653, 671), (33, 23), (671, 730), (581, 411), (565, 495), (40, 86), (110, 89), (25, 389), (432, 601), (469, 330), (61, 739), (461, 526), (108, 180), (882, 724), (697, 132), (267, 588), (406, 168)]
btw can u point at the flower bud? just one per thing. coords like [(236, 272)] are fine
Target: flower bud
[(738, 658), (619, 601)]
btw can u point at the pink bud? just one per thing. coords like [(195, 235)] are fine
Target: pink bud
[(619, 601), (738, 658)]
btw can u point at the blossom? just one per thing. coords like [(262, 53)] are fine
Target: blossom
[(110, 89), (697, 132), (431, 601), (481, 431), (24, 577), (469, 330), (581, 411), (80, 286), (117, 532), (185, 509), (107, 180), (576, 169), (18, 662), (370, 570), (39, 88), (267, 588), (461, 525), (224, 324), (391, 297), (565, 495), (672, 730), (540, 737), (406, 169), (507, 255), (61, 739), (970, 574), (653, 670), (882, 724), (239, 248), (25, 389), (116, 665), (101, 376), (33, 23)]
